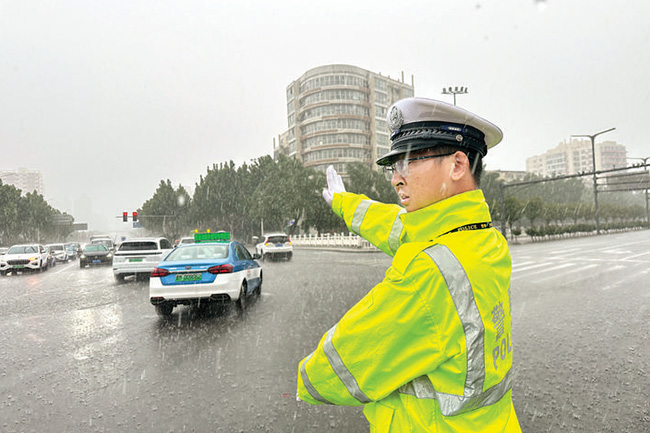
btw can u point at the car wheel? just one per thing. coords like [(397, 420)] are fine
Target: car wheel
[(81, 264), (263, 255), (258, 290), (119, 278), (241, 302), (289, 256), (164, 309)]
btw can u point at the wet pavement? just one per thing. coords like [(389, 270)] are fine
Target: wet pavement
[(82, 353)]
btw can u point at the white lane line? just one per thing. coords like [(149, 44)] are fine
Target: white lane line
[(529, 267), (553, 268), (572, 271), (570, 250), (636, 255)]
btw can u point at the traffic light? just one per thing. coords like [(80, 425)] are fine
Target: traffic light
[(135, 216), (125, 216)]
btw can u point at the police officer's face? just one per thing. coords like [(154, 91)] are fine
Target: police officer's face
[(428, 181)]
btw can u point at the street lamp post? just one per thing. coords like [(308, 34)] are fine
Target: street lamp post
[(454, 91), (593, 161)]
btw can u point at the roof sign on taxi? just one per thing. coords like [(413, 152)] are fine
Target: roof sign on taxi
[(212, 237)]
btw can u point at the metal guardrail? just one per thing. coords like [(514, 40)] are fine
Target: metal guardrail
[(337, 240)]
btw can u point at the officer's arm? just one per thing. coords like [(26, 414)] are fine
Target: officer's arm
[(378, 223), (386, 340)]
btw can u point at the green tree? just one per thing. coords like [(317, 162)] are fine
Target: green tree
[(10, 227), (363, 180), (167, 211), (533, 209), (491, 186), (513, 209)]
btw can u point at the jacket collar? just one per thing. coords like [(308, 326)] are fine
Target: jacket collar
[(428, 223)]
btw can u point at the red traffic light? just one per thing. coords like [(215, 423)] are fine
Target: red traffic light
[(135, 216), (125, 216)]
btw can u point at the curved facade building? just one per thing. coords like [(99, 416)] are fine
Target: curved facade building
[(337, 114)]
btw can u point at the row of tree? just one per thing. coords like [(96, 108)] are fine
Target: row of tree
[(283, 195), (561, 206), (27, 218), (276, 194)]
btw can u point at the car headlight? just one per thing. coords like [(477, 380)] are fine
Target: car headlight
[(33, 259)]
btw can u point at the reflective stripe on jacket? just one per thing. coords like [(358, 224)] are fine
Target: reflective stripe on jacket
[(429, 348)]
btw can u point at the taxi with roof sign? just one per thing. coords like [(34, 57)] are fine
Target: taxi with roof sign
[(213, 269)]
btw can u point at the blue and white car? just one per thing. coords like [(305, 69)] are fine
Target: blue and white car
[(204, 272)]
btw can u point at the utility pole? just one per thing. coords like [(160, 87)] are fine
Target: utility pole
[(647, 207), (593, 161)]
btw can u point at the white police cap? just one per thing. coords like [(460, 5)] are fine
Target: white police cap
[(421, 123)]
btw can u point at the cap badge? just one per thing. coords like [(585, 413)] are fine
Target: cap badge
[(396, 119)]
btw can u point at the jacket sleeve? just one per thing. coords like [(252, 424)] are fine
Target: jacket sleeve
[(378, 223), (384, 341)]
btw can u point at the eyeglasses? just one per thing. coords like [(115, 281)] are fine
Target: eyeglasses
[(402, 165)]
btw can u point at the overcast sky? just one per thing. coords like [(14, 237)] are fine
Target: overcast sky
[(107, 98)]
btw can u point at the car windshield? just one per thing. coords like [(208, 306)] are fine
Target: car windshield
[(95, 248), (278, 239), (23, 249), (199, 252)]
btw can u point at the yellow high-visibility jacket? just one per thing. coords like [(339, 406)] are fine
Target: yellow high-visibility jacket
[(429, 348)]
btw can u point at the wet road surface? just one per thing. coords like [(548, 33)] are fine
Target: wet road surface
[(82, 353)]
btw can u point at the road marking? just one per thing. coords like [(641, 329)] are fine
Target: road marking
[(530, 267), (570, 250), (577, 269), (636, 255), (516, 265), (554, 268)]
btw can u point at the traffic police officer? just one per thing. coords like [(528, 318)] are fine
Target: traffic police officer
[(428, 349)]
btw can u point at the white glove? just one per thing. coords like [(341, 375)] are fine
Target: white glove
[(334, 185)]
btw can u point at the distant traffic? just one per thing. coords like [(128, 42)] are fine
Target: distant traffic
[(202, 270)]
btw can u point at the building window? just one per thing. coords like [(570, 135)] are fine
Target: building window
[(333, 109), (327, 139), (332, 124), (334, 95), (345, 152)]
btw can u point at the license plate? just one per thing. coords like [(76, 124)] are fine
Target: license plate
[(97, 261), (135, 260), (188, 277), (18, 266), (278, 245)]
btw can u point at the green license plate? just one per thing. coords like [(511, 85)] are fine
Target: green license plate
[(19, 266), (135, 260), (188, 277)]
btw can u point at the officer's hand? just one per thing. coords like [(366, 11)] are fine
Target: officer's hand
[(334, 185)]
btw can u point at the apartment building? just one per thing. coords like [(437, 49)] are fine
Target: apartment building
[(23, 179), (575, 156), (336, 114)]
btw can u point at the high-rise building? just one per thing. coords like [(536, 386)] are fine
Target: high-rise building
[(337, 114), (575, 156), (23, 179)]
